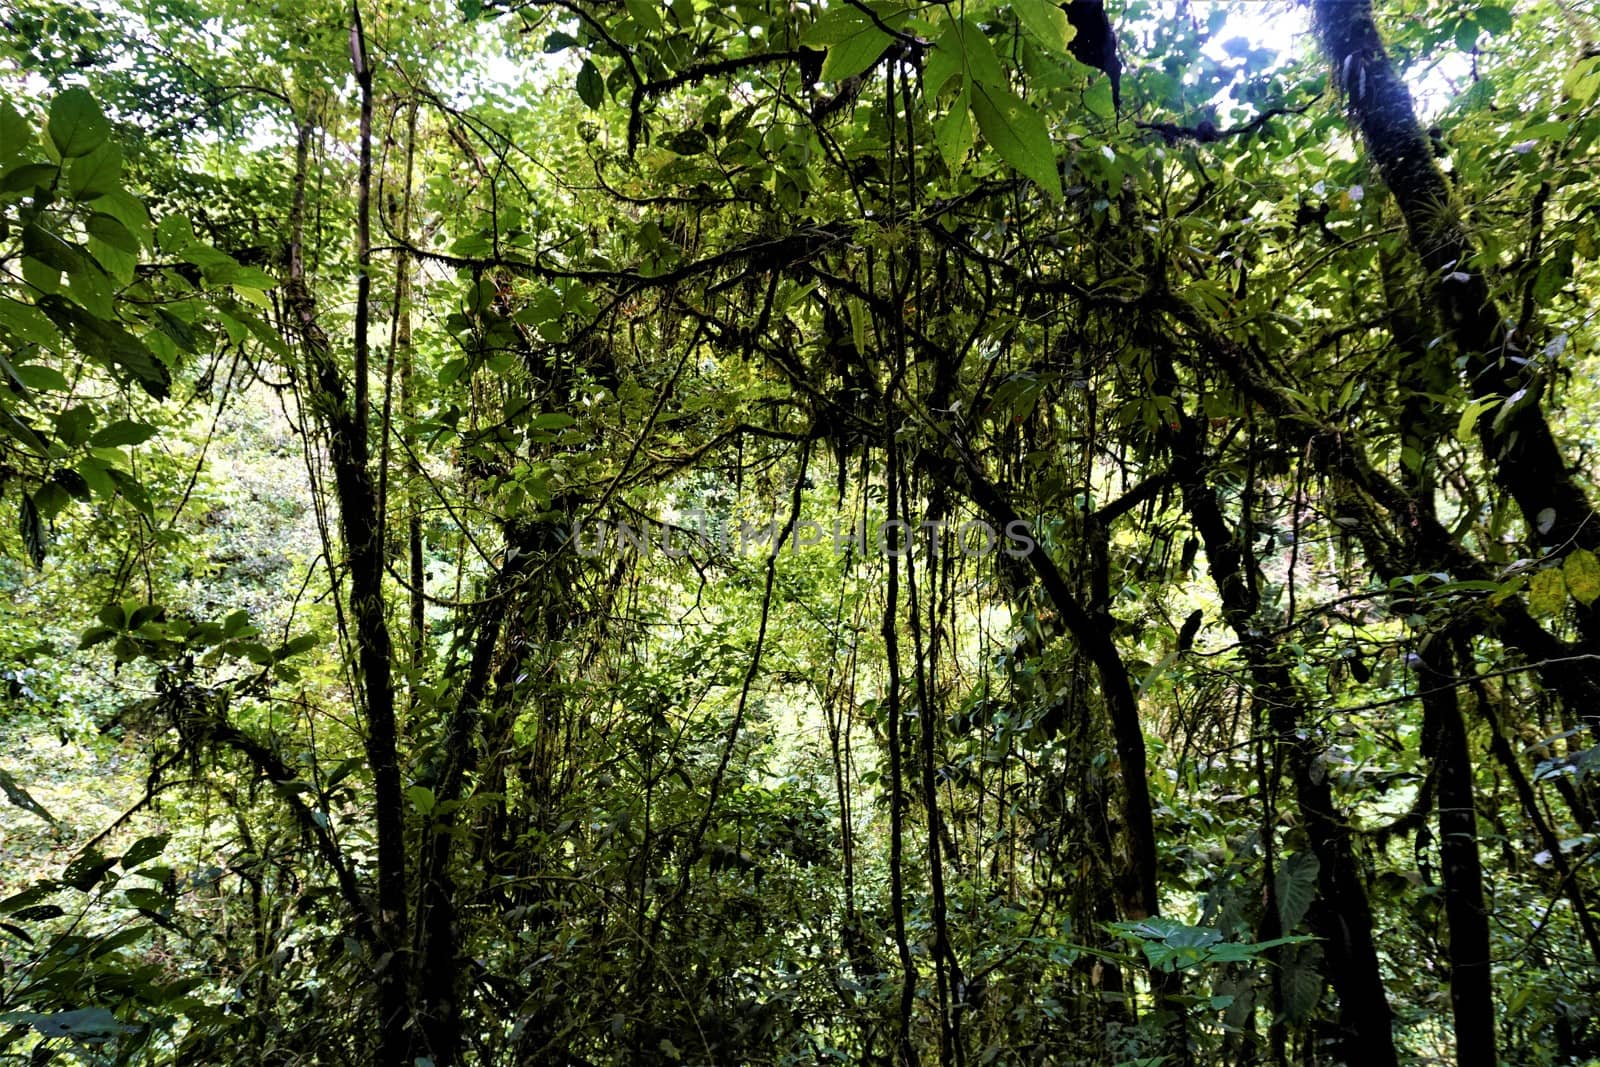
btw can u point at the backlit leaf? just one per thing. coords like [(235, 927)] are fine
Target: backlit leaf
[(1547, 592), (1582, 574), (1018, 133), (77, 126), (1046, 21)]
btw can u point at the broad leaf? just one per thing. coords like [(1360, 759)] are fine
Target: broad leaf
[(1018, 133), (1582, 574), (77, 126), (1047, 22), (1296, 887)]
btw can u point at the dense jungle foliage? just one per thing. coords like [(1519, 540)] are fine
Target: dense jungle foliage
[(601, 532)]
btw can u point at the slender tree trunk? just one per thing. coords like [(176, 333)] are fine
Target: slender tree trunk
[(346, 426), (951, 985), (906, 1051), (1094, 637), (1471, 984), (1344, 920), (401, 362)]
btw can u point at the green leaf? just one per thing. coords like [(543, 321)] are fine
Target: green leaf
[(70, 482), (855, 55), (944, 63), (978, 60), (1296, 887), (837, 23), (72, 425), (1494, 19), (16, 134), (421, 798), (1018, 133), (38, 376), (297, 645), (1582, 574), (20, 797), (853, 41), (77, 125), (28, 897), (110, 345), (146, 848), (27, 324), (1047, 22), (217, 266), (126, 209), (955, 133), (120, 433), (119, 265), (110, 229), (49, 249), (1470, 416), (50, 497), (29, 176), (591, 87), (92, 289), (1547, 593), (1302, 981), (87, 869), (1582, 82), (95, 174), (645, 13), (32, 529), (96, 475), (95, 635), (175, 233)]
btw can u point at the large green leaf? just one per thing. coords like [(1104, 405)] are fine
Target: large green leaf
[(95, 174), (852, 56), (16, 135), (77, 126), (1582, 574), (1047, 22), (23, 432), (146, 848), (1301, 981), (120, 433), (853, 39), (1296, 887), (28, 176), (26, 323), (128, 210), (591, 87), (954, 133), (1018, 133), (1547, 592), (108, 344)]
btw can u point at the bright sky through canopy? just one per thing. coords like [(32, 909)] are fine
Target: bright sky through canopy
[(1284, 26)]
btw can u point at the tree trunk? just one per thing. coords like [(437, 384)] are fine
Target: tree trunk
[(1519, 447), (1344, 919), (346, 427), (1471, 983)]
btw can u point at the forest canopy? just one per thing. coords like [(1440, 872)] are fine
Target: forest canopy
[(583, 532)]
